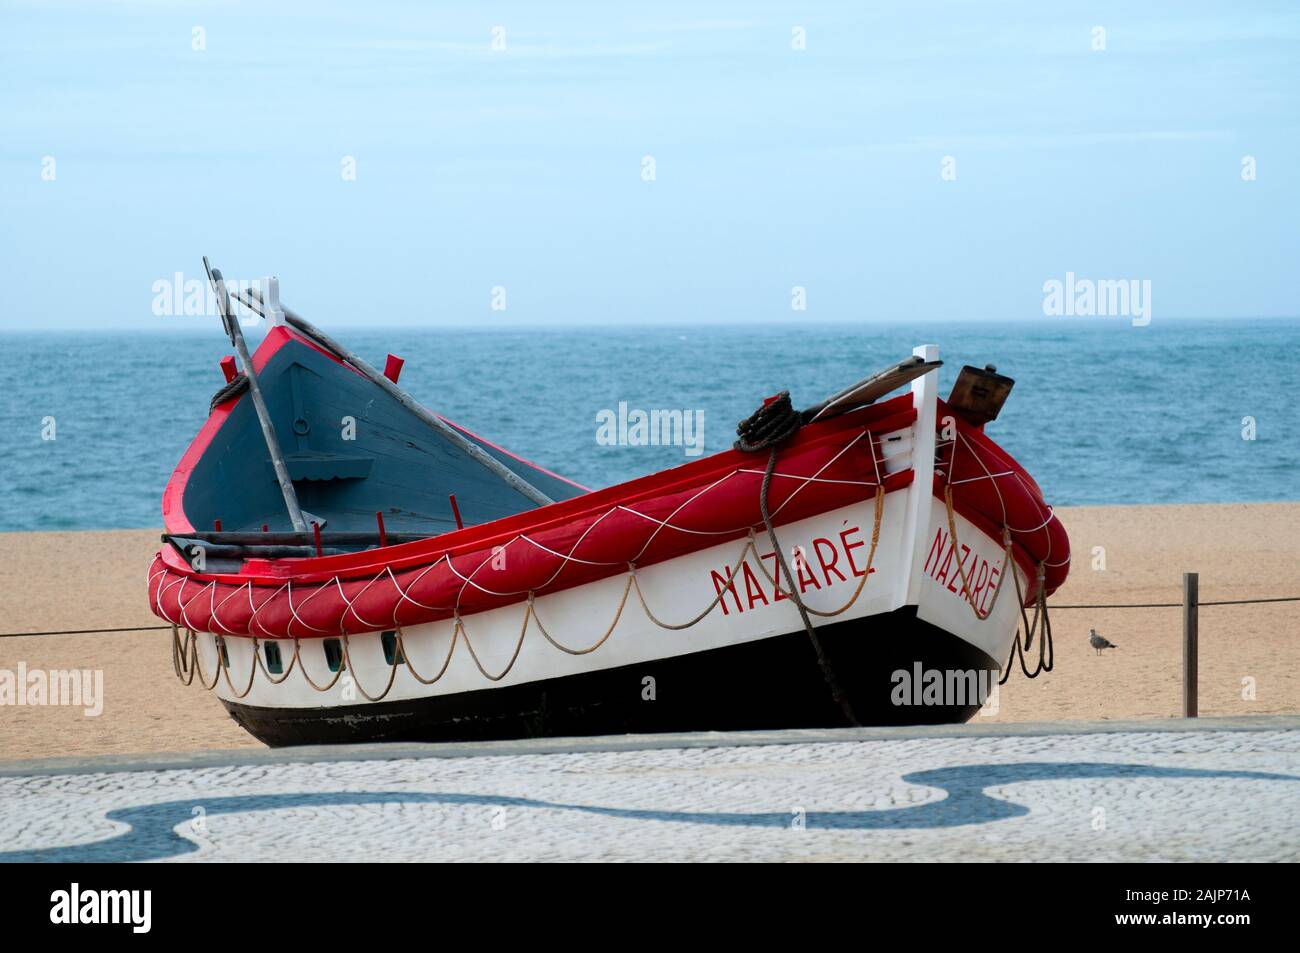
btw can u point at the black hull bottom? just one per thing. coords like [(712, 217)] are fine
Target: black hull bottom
[(768, 684)]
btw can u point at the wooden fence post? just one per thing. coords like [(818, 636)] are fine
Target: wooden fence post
[(1191, 595)]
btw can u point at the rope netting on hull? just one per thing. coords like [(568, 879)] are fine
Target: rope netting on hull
[(588, 547), (186, 662), (961, 452), (176, 596)]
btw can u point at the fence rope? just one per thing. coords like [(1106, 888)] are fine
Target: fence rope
[(1052, 606), (1178, 605)]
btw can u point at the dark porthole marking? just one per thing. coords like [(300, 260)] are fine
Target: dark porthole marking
[(392, 654), (333, 654), (274, 664)]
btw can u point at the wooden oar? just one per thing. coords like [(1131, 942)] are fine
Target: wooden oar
[(870, 389), (255, 391)]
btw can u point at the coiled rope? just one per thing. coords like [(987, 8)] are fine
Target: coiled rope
[(238, 384), (766, 429), (1046, 649)]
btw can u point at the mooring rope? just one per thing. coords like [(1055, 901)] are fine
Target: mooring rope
[(866, 573), (769, 427), (1046, 647), (1041, 620)]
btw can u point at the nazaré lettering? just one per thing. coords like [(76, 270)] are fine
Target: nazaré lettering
[(834, 563), (982, 577)]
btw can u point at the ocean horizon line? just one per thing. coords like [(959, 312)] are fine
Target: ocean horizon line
[(478, 325)]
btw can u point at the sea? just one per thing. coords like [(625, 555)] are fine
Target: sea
[(1103, 412)]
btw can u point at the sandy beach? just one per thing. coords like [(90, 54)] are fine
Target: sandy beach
[(1250, 655)]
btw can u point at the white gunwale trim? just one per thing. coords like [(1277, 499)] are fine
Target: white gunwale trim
[(916, 528)]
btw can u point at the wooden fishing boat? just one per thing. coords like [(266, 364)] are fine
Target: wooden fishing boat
[(341, 564)]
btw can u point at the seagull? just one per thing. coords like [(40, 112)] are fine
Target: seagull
[(1099, 642)]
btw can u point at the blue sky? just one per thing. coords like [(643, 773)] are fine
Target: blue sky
[(522, 168)]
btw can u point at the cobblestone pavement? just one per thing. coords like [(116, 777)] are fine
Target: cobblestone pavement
[(1200, 794)]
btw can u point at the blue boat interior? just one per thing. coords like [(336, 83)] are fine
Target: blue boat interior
[(352, 450)]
